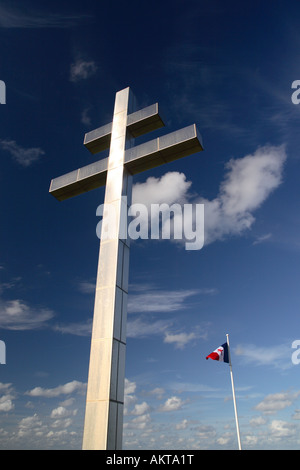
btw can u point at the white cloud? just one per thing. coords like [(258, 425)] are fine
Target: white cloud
[(6, 398), (18, 315), (29, 425), (33, 432), (247, 183), (140, 409), (158, 392), (250, 179), (180, 339), (82, 69), (257, 421), (62, 423), (6, 403), (296, 414), (276, 402), (60, 412), (129, 396), (172, 404), (171, 187), (225, 439), (66, 389), (24, 156), (250, 440), (67, 402), (138, 423), (4, 386), (279, 429), (130, 387), (205, 431), (183, 425), (148, 300), (132, 408)]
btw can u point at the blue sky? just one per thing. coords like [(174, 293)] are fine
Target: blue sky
[(229, 68)]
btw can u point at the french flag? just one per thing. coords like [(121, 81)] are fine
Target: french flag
[(220, 354)]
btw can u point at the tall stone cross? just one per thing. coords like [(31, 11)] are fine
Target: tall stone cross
[(103, 425)]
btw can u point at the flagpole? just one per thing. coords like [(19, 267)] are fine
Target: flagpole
[(233, 394)]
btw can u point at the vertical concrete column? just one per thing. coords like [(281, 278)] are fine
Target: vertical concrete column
[(103, 425)]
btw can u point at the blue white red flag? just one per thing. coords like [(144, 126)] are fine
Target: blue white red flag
[(220, 354)]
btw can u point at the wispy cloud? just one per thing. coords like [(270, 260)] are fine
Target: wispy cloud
[(66, 389), (87, 287), (24, 156), (181, 387), (22, 17), (147, 301), (276, 402), (199, 81), (82, 69), (19, 315), (180, 340), (262, 239), (85, 118), (9, 285), (144, 300), (140, 327), (83, 328), (278, 356), (160, 300), (143, 327)]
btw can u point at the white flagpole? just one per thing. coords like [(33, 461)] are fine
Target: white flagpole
[(233, 394)]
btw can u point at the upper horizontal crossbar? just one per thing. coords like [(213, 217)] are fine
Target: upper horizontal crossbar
[(138, 123), (181, 143)]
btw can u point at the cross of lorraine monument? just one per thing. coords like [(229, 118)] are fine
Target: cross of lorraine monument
[(103, 427)]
